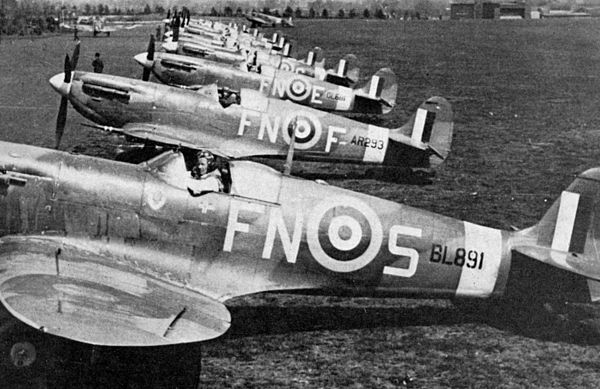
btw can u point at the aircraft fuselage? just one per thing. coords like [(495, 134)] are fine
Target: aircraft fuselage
[(284, 234), (203, 121)]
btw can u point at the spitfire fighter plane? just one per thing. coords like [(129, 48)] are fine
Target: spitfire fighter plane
[(254, 126), (378, 96), (259, 19), (97, 25), (258, 55), (114, 254)]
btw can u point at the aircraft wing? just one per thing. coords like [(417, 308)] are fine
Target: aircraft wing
[(256, 21), (107, 29), (73, 289), (218, 144), (84, 28)]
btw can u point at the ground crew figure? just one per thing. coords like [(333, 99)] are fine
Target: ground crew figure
[(97, 64)]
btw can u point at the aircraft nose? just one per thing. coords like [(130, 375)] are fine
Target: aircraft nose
[(142, 60), (59, 84), (170, 46)]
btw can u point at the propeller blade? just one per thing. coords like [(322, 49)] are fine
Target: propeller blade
[(61, 120), (67, 69), (146, 74), (151, 48), (75, 57)]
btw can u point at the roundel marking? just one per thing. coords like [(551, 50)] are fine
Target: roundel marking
[(285, 65), (156, 199), (344, 233), (298, 89), (308, 130)]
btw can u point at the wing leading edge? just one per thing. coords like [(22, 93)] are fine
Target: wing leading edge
[(61, 288)]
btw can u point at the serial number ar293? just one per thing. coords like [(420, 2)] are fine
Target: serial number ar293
[(461, 257)]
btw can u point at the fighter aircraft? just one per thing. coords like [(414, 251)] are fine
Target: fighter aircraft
[(254, 126), (239, 52), (378, 96), (259, 19), (115, 254), (346, 73), (97, 25)]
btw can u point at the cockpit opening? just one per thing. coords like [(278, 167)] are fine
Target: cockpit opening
[(201, 172), (208, 173)]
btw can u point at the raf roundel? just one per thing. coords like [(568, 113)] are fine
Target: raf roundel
[(308, 130), (156, 200), (354, 234), (298, 89), (285, 65)]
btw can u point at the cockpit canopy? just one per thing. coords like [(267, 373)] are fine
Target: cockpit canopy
[(241, 178), (255, 180)]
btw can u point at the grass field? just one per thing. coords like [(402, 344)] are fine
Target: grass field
[(525, 95)]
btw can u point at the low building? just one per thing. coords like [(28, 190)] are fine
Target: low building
[(486, 9)]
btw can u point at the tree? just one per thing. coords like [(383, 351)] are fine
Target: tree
[(266, 10), (366, 13), (341, 14), (87, 9), (228, 11), (147, 9), (311, 13), (379, 14), (325, 14), (352, 13), (287, 12), (239, 12), (213, 12), (159, 9), (298, 13)]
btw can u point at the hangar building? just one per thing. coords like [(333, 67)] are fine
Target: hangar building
[(488, 9)]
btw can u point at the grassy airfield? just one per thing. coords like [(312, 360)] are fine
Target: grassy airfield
[(525, 96)]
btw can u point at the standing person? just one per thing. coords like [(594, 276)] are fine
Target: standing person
[(97, 64)]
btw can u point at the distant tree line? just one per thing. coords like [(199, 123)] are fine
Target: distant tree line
[(27, 17), (324, 13), (319, 9)]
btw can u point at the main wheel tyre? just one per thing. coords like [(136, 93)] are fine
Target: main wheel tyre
[(23, 355)]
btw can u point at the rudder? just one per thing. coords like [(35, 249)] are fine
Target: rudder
[(566, 237), (379, 95), (430, 127)]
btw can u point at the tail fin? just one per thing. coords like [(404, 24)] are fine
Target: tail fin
[(315, 57), (379, 95), (346, 73), (430, 128), (565, 237)]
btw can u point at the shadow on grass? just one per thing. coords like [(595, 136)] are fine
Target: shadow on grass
[(575, 323), (257, 320)]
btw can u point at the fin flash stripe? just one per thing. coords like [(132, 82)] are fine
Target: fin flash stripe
[(572, 222)]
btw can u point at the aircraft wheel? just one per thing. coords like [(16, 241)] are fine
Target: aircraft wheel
[(23, 355)]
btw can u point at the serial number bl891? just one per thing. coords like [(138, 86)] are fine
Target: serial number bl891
[(461, 257)]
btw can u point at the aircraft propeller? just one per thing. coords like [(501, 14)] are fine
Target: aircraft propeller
[(149, 60), (61, 119)]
